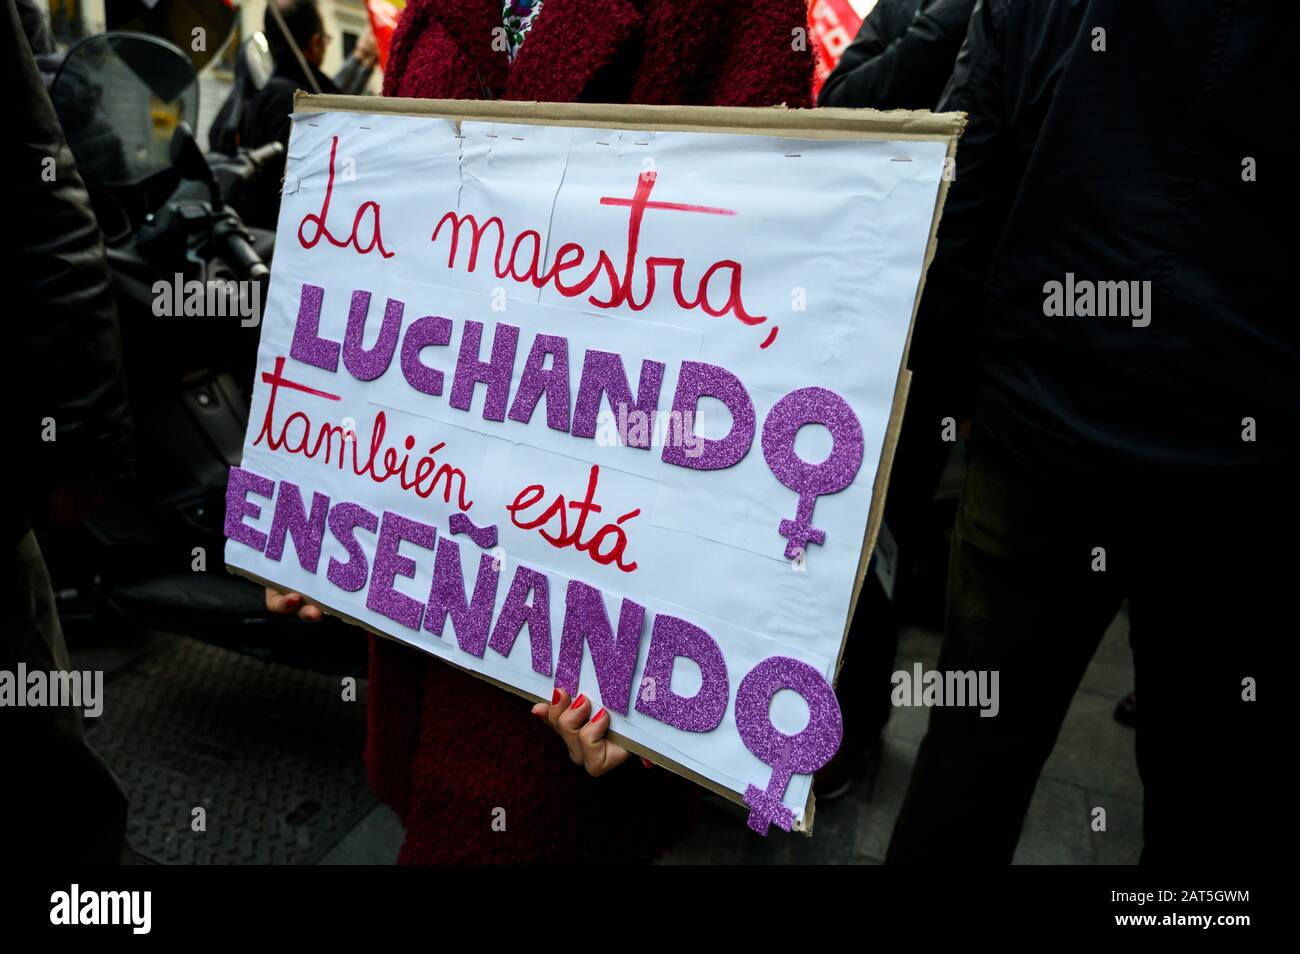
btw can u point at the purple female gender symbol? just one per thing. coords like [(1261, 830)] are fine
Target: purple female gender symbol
[(803, 753), (811, 406)]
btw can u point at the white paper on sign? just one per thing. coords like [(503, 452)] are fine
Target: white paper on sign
[(494, 321)]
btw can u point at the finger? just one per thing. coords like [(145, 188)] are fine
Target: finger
[(310, 612), (278, 602), (540, 710), (569, 722), (575, 717), (599, 755), (559, 702)]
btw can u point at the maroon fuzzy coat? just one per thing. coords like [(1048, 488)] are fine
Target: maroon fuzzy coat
[(445, 749)]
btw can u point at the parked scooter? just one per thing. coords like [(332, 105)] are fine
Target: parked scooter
[(190, 280)]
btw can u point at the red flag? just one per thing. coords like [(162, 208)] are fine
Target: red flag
[(384, 15), (834, 25)]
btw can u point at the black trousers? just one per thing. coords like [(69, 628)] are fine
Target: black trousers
[(59, 802), (864, 683), (1038, 569)]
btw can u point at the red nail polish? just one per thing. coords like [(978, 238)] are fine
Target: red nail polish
[(582, 697), (555, 697), (596, 717), (647, 763)]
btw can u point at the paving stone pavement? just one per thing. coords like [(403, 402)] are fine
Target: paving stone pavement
[(1092, 765)]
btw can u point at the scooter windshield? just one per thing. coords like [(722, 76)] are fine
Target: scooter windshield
[(120, 98)]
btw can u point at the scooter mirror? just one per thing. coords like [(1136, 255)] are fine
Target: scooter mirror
[(257, 57)]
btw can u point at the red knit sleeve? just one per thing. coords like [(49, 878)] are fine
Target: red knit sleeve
[(769, 60), (405, 34)]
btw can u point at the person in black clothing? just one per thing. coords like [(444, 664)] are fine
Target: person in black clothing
[(70, 430), (902, 56), (1135, 442), (227, 130), (267, 116)]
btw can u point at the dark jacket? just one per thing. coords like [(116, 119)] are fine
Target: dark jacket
[(65, 354), (1127, 164), (227, 129), (902, 56), (266, 120)]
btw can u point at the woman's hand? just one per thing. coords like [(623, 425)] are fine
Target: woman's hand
[(367, 49), (585, 737), (287, 603)]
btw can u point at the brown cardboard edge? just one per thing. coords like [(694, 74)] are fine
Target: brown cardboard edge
[(901, 390), (820, 123), (762, 121)]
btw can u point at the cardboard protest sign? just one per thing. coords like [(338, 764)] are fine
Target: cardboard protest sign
[(598, 397)]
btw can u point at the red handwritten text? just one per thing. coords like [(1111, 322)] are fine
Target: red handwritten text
[(573, 538), (322, 230), (523, 261), (428, 473)]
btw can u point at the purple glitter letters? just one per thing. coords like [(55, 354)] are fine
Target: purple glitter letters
[(424, 332), (537, 380), (671, 637), (517, 611), (389, 564), (494, 373), (698, 380), (803, 753), (343, 520), (291, 518), (239, 485), (602, 373), (811, 406), (308, 346), (585, 620), (472, 618), (484, 537), (367, 365)]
